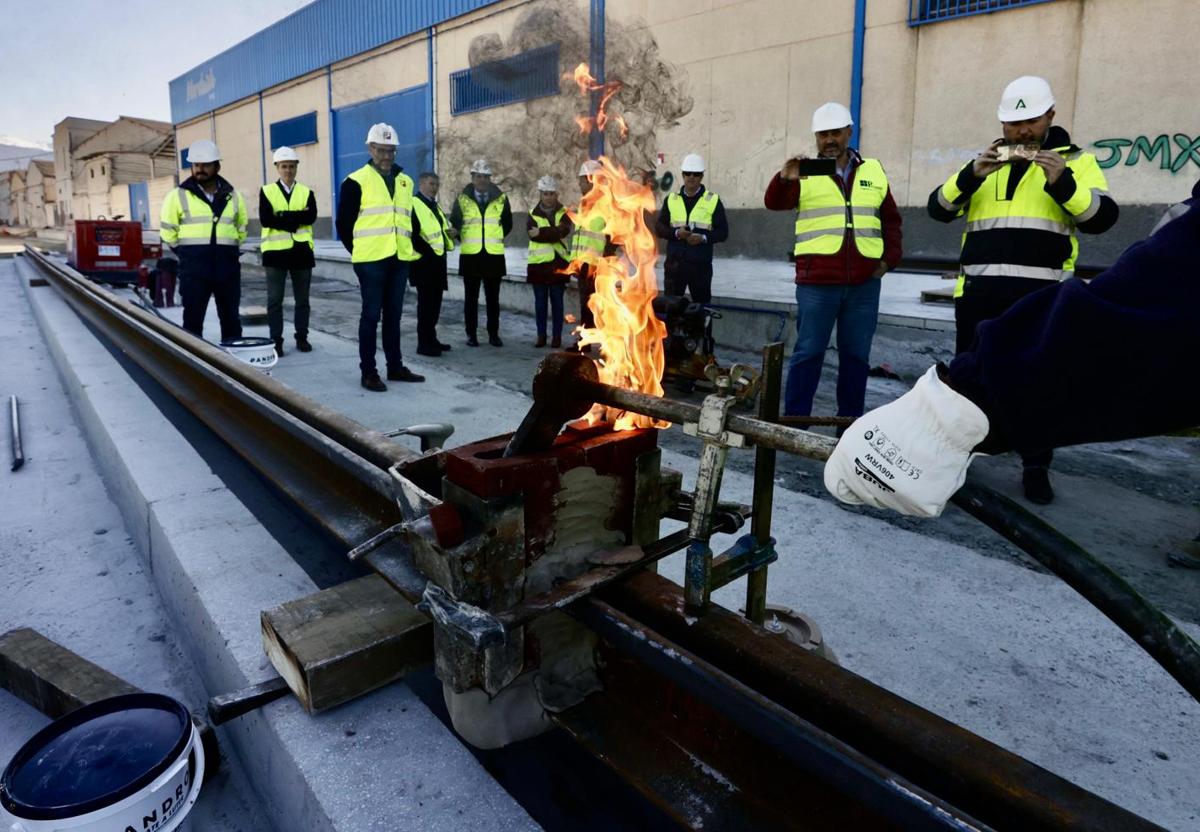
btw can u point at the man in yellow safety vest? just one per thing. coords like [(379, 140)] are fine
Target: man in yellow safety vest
[(1024, 197), (483, 218), (433, 237), (374, 223), (287, 209), (204, 222), (692, 220)]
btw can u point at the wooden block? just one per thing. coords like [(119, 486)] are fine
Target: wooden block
[(253, 314), (50, 677), (343, 642)]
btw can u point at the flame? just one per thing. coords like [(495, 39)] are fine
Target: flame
[(587, 84), (629, 334)]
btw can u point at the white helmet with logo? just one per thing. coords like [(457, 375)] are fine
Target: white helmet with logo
[(1026, 97), (591, 166), (548, 183), (481, 166), (382, 134), (831, 116), (204, 150), (692, 163), (284, 154)]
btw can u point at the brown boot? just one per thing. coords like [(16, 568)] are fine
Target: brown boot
[(556, 342), (541, 341)]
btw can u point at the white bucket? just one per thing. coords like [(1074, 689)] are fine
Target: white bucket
[(160, 805), (257, 352)]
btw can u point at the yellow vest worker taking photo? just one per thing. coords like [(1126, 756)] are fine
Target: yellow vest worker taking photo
[(287, 210)]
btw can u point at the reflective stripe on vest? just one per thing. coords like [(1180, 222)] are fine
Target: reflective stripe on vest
[(540, 252), (433, 226), (482, 231), (824, 213), (701, 217), (383, 227), (196, 222), (990, 211), (276, 239), (590, 240)]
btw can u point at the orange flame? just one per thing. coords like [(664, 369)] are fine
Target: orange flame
[(586, 83)]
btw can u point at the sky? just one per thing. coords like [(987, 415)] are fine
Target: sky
[(101, 59)]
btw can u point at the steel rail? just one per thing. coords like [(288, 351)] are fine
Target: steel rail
[(350, 497)]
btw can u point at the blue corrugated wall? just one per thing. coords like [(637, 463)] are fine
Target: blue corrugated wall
[(317, 35)]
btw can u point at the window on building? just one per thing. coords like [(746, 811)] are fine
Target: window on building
[(183, 159), (92, 173), (531, 74), (102, 171), (294, 131), (931, 11)]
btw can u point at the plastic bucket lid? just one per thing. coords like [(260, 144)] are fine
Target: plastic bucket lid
[(132, 760)]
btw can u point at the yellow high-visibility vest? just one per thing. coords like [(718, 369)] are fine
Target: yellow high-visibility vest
[(1030, 209), (823, 213), (589, 241), (383, 227), (540, 252), (187, 220), (433, 232), (482, 231), (276, 239), (701, 217)]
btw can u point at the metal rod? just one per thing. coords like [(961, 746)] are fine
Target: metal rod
[(815, 421), (18, 452), (764, 479)]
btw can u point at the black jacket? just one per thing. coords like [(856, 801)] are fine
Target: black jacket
[(678, 251), (296, 257), (482, 264), (349, 198), (213, 262)]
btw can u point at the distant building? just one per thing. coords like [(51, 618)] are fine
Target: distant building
[(16, 197), (68, 135), (123, 169), (5, 191), (40, 198)]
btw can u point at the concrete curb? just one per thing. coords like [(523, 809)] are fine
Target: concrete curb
[(381, 763)]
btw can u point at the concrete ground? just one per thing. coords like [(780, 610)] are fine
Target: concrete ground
[(942, 612)]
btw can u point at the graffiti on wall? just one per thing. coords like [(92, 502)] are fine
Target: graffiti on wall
[(1145, 150), (540, 136)]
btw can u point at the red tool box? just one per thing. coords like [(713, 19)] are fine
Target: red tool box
[(108, 251)]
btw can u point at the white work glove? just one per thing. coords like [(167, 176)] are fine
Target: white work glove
[(910, 455)]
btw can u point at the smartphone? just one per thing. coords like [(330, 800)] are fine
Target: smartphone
[(1009, 152), (818, 167)]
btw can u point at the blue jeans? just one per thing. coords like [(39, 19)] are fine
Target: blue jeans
[(382, 284), (855, 310), (541, 293)]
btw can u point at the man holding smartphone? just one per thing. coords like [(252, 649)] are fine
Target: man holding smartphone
[(1025, 198), (847, 237)]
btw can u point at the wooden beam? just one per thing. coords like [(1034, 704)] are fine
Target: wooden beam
[(50, 677), (345, 641)]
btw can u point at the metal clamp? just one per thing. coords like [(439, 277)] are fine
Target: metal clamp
[(477, 627)]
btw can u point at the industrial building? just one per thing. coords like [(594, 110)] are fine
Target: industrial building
[(733, 81)]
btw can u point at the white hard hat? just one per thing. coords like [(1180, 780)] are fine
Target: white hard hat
[(548, 183), (589, 167), (831, 116), (481, 166), (382, 134), (1026, 97), (204, 150), (693, 163), (284, 154)]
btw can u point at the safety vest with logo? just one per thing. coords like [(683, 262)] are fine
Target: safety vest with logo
[(823, 214), (482, 231), (1037, 234), (589, 241), (433, 226), (187, 220), (701, 217), (540, 252), (276, 239), (383, 227)]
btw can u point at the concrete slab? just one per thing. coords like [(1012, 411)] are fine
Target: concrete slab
[(215, 567)]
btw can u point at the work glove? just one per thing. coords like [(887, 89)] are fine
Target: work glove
[(910, 455)]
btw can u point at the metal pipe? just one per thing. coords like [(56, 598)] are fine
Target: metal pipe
[(764, 479), (18, 453)]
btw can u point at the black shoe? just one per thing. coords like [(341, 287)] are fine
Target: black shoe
[(1036, 480), (443, 347), (495, 341), (540, 342), (432, 352), (374, 383), (302, 343), (404, 374), (279, 347), (472, 341)]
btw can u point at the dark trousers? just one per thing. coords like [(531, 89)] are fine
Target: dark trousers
[(429, 309), (162, 287), (276, 280), (554, 295), (196, 288), (694, 279), (491, 292), (986, 298), (587, 287), (381, 284)]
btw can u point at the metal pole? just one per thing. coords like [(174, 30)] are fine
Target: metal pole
[(596, 65), (18, 454), (764, 479)]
